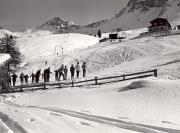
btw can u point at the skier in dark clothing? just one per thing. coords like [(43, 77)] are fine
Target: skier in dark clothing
[(26, 78), (44, 75), (38, 73), (14, 76), (61, 72), (47, 74), (84, 67), (65, 72), (9, 79), (77, 67), (56, 75), (32, 76), (22, 78), (72, 69)]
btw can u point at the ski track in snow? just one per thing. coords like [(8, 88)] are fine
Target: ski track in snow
[(131, 126), (9, 125)]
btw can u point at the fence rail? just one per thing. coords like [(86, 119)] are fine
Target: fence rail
[(95, 81)]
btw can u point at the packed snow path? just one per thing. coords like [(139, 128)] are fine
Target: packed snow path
[(141, 128), (8, 125)]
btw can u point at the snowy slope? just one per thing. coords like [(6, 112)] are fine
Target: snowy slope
[(45, 45), (40, 46), (134, 55)]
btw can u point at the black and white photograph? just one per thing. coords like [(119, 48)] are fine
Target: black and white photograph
[(89, 66)]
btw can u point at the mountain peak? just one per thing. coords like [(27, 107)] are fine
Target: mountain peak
[(60, 20), (59, 24), (142, 6)]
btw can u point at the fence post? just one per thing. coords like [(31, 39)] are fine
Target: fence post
[(44, 85), (96, 81), (60, 85), (72, 84), (155, 72), (123, 77), (21, 88)]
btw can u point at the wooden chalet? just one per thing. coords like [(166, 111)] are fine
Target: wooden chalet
[(159, 25)]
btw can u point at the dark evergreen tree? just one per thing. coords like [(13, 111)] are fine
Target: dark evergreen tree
[(99, 33), (11, 49)]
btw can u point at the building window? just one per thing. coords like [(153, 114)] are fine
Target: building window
[(161, 23)]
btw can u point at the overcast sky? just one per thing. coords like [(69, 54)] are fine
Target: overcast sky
[(16, 15)]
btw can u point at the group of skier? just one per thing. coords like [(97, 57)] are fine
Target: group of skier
[(61, 72), (24, 78)]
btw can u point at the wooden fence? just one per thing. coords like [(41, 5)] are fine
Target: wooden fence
[(94, 81)]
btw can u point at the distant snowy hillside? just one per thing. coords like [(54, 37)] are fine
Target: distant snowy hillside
[(46, 45), (4, 31)]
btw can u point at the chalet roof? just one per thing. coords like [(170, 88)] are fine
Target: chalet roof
[(159, 19), (162, 19), (4, 58)]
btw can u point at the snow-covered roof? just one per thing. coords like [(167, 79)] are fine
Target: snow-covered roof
[(4, 58)]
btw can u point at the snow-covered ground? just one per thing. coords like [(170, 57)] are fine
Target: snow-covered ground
[(150, 105), (141, 106), (4, 58)]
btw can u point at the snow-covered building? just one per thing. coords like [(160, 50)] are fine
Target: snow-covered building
[(159, 24), (4, 58)]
